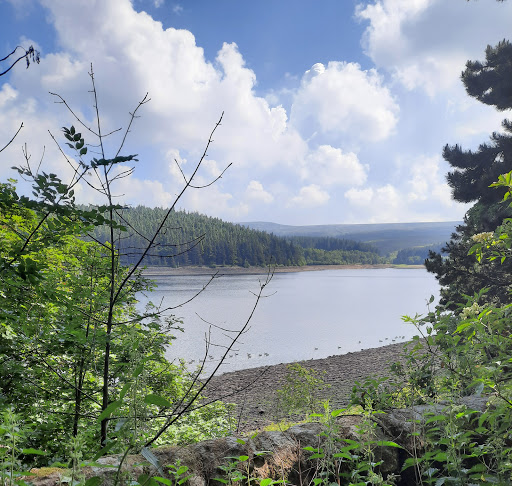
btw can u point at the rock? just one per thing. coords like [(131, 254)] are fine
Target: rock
[(281, 455)]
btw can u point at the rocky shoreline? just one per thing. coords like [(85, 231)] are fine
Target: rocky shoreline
[(154, 271), (254, 390)]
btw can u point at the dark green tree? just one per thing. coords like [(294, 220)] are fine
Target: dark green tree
[(474, 171)]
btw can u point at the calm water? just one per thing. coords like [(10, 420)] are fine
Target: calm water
[(305, 314)]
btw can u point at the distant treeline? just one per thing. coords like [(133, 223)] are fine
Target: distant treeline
[(195, 239), (416, 255), (330, 243)]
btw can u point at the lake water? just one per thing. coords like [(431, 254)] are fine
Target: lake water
[(305, 314)]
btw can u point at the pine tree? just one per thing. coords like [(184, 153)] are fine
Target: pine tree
[(474, 171)]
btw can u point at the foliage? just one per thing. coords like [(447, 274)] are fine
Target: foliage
[(195, 239), (345, 461), (203, 240), (299, 393), (474, 172), (341, 257), (83, 368), (415, 255), (329, 243)]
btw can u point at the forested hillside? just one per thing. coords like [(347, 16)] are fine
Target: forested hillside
[(196, 239), (386, 237)]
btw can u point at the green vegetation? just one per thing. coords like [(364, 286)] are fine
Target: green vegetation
[(195, 239), (83, 371), (387, 238), (474, 172), (416, 255)]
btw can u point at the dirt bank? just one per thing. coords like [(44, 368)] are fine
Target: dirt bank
[(256, 403)]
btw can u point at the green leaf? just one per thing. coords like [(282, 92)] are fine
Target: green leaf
[(387, 443), (94, 481), (109, 410), (36, 452), (83, 151), (153, 399), (345, 455), (436, 418), (165, 481), (138, 370), (103, 451), (335, 413), (317, 456), (146, 480), (441, 457), (125, 389)]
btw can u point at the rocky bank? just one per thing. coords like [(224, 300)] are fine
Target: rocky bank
[(254, 390)]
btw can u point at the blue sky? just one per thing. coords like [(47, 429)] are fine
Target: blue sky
[(335, 111)]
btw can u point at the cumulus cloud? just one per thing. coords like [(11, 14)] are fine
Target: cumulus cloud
[(290, 148), (330, 166), (382, 204), (342, 99), (309, 197), (425, 43), (256, 193), (427, 181), (132, 54), (214, 202)]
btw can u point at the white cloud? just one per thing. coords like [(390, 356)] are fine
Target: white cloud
[(214, 202), (255, 192), (7, 94), (343, 100), (330, 166), (360, 197), (339, 115), (426, 181), (382, 204), (158, 3), (309, 197), (426, 43), (177, 9)]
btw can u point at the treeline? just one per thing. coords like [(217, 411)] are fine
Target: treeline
[(314, 256), (196, 239), (416, 255), (330, 243)]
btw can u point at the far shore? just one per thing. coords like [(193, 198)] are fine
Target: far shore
[(193, 270)]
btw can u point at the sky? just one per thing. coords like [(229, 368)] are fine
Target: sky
[(334, 111)]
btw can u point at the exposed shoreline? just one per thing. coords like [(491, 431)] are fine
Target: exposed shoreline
[(159, 270), (256, 402)]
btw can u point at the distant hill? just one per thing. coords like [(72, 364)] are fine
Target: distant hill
[(387, 237), (196, 239)]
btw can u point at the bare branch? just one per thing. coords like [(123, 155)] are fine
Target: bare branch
[(11, 140), (177, 412)]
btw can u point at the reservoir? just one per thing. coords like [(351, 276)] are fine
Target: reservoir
[(301, 316)]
